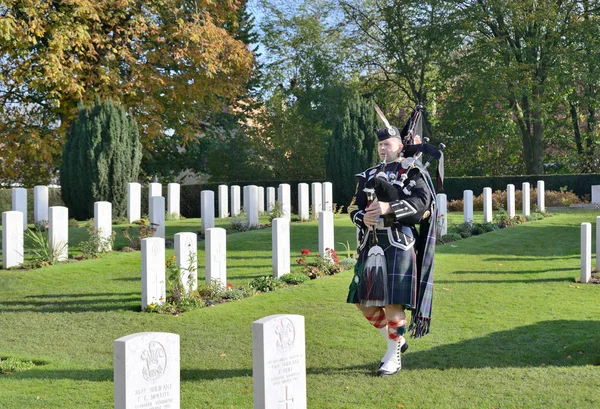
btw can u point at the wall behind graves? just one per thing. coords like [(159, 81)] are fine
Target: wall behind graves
[(54, 199), (580, 184)]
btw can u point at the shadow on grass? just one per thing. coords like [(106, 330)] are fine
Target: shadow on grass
[(501, 281), (548, 343), (99, 302), (546, 270)]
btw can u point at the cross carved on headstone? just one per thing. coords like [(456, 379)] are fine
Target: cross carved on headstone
[(218, 257), (288, 401)]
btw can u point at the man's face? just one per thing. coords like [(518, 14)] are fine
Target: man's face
[(389, 149)]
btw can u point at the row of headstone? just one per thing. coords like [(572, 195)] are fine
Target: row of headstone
[(134, 201), (510, 201), (147, 366), (40, 203), (586, 250)]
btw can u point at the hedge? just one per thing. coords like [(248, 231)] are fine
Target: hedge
[(580, 184)]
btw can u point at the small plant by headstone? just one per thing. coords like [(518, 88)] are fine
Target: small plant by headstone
[(240, 222), (294, 278), (96, 245), (135, 235), (41, 254), (276, 211), (266, 284)]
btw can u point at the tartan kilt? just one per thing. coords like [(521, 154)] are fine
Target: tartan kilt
[(401, 275)]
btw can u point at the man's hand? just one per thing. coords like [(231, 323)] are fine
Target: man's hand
[(376, 209)]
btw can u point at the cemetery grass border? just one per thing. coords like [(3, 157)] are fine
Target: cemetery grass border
[(510, 328)]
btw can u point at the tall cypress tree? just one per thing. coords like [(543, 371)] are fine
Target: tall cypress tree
[(101, 156), (352, 147)]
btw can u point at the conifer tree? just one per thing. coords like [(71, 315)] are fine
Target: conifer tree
[(352, 148), (101, 156)]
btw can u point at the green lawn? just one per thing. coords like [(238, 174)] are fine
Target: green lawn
[(510, 329)]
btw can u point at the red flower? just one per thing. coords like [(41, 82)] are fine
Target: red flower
[(305, 252), (300, 261), (229, 285)]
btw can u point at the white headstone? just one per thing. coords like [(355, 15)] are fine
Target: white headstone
[(207, 209), (487, 205), (303, 202), (245, 197), (147, 368), (235, 200), (316, 192), (103, 224), (252, 209), (328, 196), (223, 192), (326, 238), (154, 189), (261, 199), (157, 215), (270, 199), (174, 193), (58, 232), (19, 203), (154, 289), (186, 257), (12, 239), (442, 203), (526, 201), (40, 204), (510, 201), (279, 362), (216, 255), (586, 252), (596, 194), (284, 196), (541, 196), (280, 234), (468, 206), (134, 202), (598, 243)]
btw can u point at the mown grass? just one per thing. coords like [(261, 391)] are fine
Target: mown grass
[(511, 329)]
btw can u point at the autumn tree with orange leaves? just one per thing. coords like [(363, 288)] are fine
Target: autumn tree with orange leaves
[(172, 62)]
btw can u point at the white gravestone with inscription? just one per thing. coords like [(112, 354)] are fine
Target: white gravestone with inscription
[(134, 202), (526, 201), (186, 257), (235, 200), (285, 198), (487, 204), (207, 209), (215, 258), (270, 199), (174, 194), (541, 196), (157, 215), (510, 200), (442, 205), (280, 234), (303, 202), (103, 224), (261, 199), (598, 243), (223, 193), (279, 362), (12, 239), (19, 203), (316, 191), (153, 272), (596, 194), (468, 206), (252, 209), (586, 252), (40, 204), (154, 189), (326, 239), (328, 196), (58, 232), (147, 371)]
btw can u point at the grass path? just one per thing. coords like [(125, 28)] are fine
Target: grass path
[(510, 329)]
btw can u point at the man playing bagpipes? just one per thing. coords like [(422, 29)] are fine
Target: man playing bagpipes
[(394, 271)]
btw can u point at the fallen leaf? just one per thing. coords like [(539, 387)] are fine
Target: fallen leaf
[(452, 245), (245, 391), (500, 264), (347, 388), (37, 398), (401, 405), (223, 355), (446, 289), (568, 356)]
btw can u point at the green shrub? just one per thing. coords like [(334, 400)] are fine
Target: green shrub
[(11, 365), (294, 278), (266, 284)]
